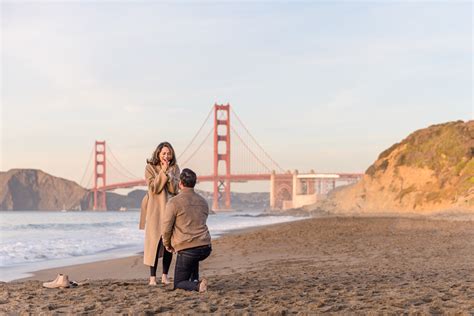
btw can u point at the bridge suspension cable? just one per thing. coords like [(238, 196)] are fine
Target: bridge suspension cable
[(131, 175), (110, 163), (89, 182), (195, 136), (87, 168), (250, 150), (199, 147), (256, 142)]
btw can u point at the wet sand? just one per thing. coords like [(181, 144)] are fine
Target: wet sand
[(361, 265)]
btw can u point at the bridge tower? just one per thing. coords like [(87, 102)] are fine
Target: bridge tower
[(221, 135), (100, 202)]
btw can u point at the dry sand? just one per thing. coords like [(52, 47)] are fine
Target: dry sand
[(361, 265)]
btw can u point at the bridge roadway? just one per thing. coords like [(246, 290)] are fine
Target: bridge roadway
[(241, 178)]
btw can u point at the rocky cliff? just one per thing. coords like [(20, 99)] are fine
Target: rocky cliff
[(30, 189), (431, 170)]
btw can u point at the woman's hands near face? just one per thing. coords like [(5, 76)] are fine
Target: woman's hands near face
[(165, 157), (165, 164)]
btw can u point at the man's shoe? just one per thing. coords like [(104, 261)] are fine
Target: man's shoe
[(203, 286)]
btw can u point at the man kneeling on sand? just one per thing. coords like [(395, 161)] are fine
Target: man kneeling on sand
[(185, 232)]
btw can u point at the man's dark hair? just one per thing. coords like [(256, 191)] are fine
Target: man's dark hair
[(188, 178)]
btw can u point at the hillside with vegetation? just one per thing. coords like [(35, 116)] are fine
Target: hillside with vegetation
[(432, 170)]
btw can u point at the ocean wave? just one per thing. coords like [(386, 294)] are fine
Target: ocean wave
[(35, 251), (65, 226)]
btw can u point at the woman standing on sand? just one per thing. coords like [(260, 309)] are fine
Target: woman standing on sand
[(162, 178)]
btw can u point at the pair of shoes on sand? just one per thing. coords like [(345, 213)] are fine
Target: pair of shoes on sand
[(61, 281)]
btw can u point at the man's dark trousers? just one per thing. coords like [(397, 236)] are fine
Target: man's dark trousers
[(186, 272)]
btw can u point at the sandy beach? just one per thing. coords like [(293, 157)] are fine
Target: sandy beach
[(359, 265)]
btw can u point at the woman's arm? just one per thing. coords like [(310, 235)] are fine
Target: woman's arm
[(155, 182), (173, 180), (143, 209)]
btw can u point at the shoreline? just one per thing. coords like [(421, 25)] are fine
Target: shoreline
[(24, 271), (84, 270), (100, 266)]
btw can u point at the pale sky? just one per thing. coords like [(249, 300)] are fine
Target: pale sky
[(321, 85)]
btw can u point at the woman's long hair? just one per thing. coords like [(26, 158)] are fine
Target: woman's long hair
[(155, 158)]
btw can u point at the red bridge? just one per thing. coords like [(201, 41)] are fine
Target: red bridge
[(249, 160)]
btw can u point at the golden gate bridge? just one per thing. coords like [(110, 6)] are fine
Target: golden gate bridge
[(249, 162)]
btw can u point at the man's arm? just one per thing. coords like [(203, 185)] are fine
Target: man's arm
[(168, 223)]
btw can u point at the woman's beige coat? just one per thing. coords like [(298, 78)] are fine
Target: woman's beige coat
[(160, 185)]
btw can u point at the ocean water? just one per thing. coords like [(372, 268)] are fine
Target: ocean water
[(35, 240)]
